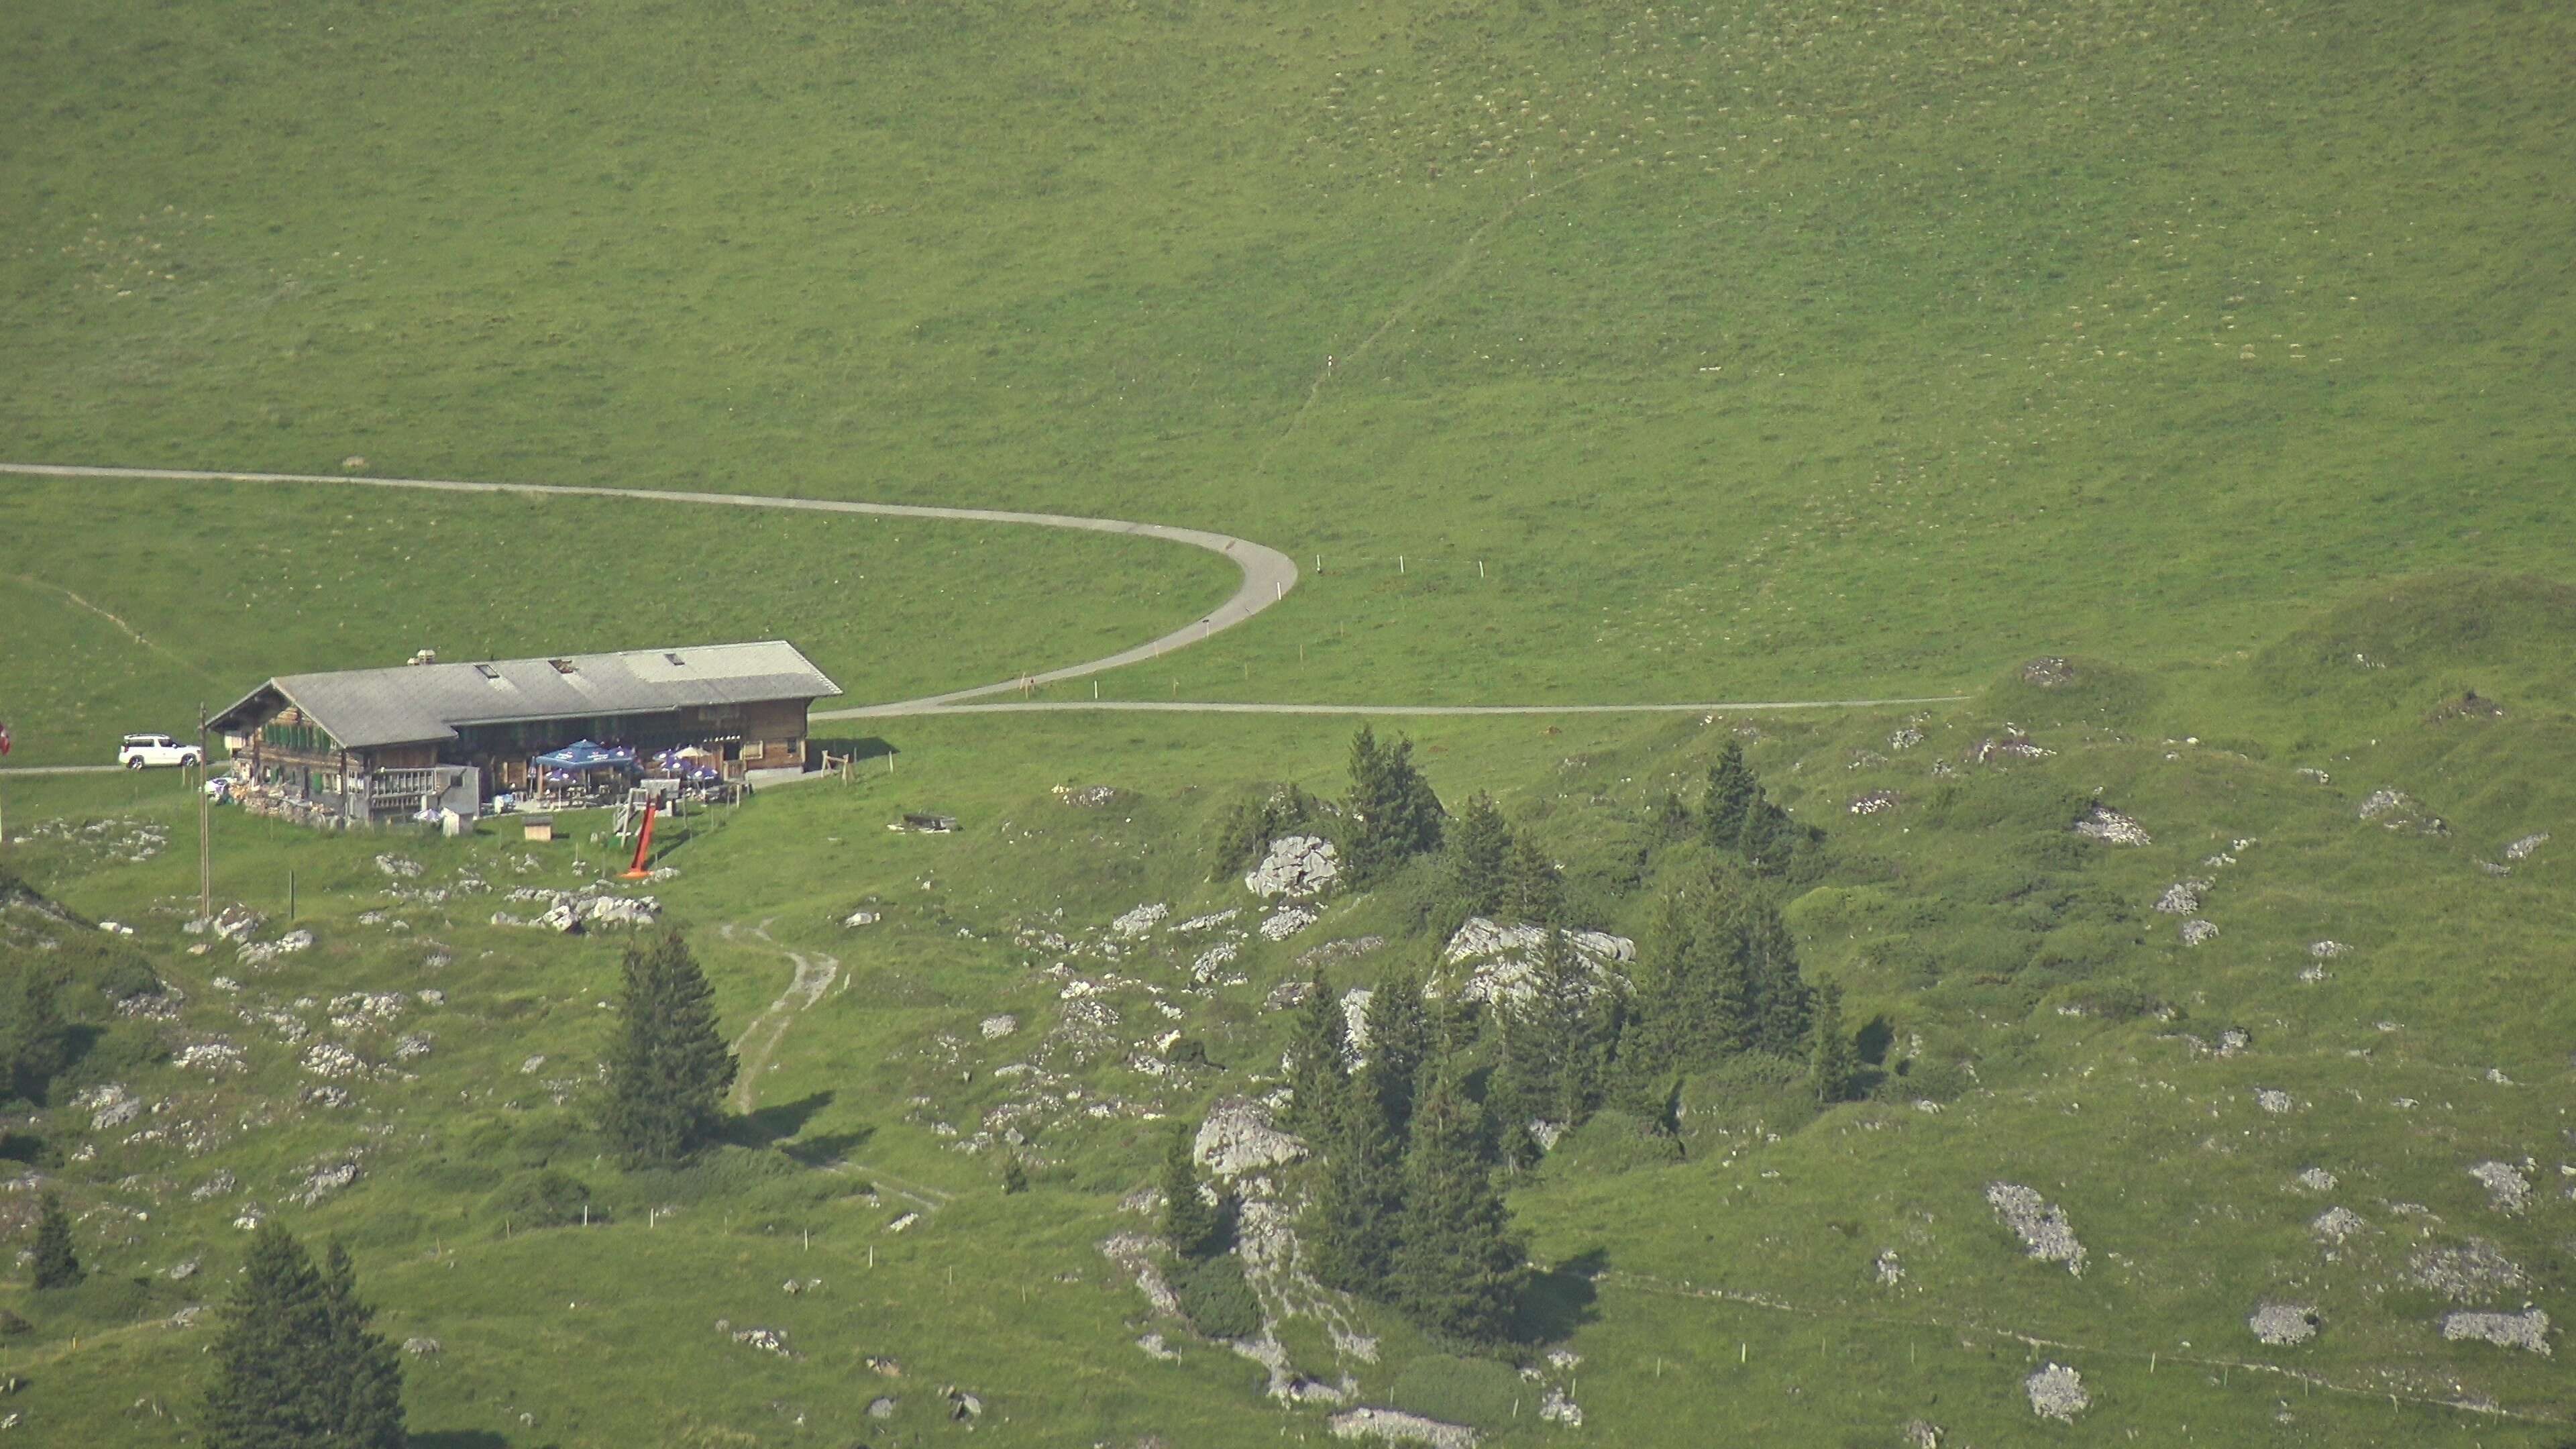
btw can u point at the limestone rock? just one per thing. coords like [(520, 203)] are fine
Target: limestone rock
[(1296, 866), (1237, 1137)]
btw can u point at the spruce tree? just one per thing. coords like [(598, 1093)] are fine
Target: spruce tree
[(1359, 1202), (1519, 1091), (1731, 1019), (1833, 1064), (1782, 1008), (274, 1365), (669, 1070), (35, 1040), (1731, 791), (1394, 814), (1189, 1220), (1478, 848), (1318, 1060), (1458, 1270), (1554, 1045), (1673, 819), (57, 1266), (1399, 1041), (1769, 839), (363, 1395), (1532, 889), (1651, 1049)]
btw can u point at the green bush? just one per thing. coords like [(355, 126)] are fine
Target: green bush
[(1215, 1298), (2109, 1000), (1477, 1392), (547, 1198), (1614, 1142), (1929, 1079), (11, 1325)]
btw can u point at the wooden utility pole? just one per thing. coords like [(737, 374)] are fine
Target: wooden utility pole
[(205, 831)]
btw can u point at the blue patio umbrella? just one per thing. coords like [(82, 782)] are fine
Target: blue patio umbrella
[(587, 755)]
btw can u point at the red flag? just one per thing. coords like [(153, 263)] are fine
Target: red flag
[(4, 739)]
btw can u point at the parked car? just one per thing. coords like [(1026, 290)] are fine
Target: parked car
[(141, 750)]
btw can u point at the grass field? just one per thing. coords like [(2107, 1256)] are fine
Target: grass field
[(1581, 354), (1749, 351), (144, 599)]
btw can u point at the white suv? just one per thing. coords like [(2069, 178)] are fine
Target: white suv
[(141, 750)]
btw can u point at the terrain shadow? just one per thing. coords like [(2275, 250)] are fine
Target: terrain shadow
[(1560, 1300), (459, 1439)]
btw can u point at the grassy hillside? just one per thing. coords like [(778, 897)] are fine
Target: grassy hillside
[(1766, 352), (2183, 384), (139, 601), (2018, 974)]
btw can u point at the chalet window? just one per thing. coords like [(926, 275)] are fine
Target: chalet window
[(564, 666), (488, 672), (301, 738)]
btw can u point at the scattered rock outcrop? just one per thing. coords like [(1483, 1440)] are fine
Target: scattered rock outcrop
[(2280, 1324), (1503, 960), (2040, 1225), (2057, 1392), (2527, 1329), (1395, 1426), (1237, 1137), (1296, 866)]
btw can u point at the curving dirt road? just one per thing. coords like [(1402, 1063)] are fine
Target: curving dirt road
[(1268, 575)]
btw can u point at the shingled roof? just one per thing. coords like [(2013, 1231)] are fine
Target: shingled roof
[(416, 704)]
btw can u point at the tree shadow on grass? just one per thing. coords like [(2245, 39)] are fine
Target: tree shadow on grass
[(1560, 1300), (459, 1439), (825, 1148), (774, 1124)]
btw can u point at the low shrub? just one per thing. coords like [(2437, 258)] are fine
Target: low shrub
[(1215, 1298), (546, 1198), (1613, 1142)]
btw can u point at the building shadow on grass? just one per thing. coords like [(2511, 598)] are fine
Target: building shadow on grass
[(865, 750), (1560, 1300)]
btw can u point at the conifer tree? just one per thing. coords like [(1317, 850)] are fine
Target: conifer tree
[(1834, 1062), (1533, 890), (1519, 1091), (1394, 814), (35, 1040), (1731, 791), (1459, 1271), (1318, 1060), (669, 1070), (363, 1395), (1650, 1050), (1479, 847), (1782, 1006), (57, 1266), (1399, 1041), (1359, 1203), (1189, 1220), (1769, 839), (1555, 1040), (1673, 820), (296, 1364)]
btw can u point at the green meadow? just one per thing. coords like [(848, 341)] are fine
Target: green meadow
[(1754, 353), (1580, 354)]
